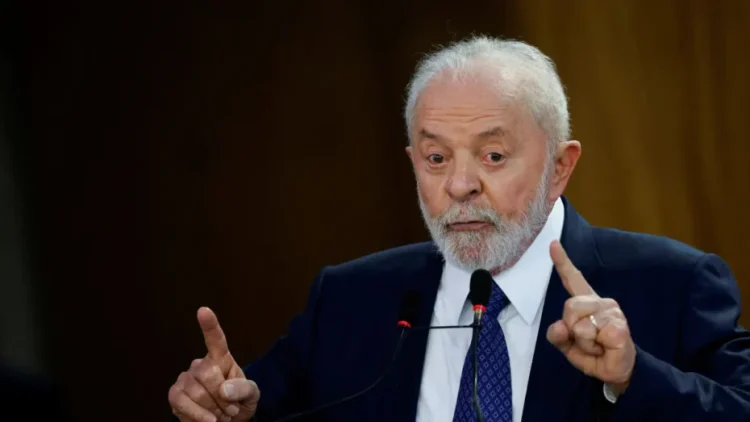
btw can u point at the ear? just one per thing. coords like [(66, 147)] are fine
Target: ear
[(566, 158), (410, 153)]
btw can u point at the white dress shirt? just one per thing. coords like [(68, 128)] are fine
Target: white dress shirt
[(525, 285)]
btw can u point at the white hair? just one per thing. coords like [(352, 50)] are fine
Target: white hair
[(527, 76)]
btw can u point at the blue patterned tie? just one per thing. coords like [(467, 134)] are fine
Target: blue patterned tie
[(493, 366)]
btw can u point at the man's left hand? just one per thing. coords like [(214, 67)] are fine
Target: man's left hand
[(593, 332)]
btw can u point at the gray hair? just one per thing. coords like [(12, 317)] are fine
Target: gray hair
[(528, 76)]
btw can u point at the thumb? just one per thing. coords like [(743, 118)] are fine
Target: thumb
[(240, 390)]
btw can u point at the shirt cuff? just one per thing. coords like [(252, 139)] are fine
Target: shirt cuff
[(609, 394)]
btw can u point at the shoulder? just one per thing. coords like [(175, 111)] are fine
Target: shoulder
[(388, 271), (655, 278), (648, 265), (620, 250), (398, 261), (374, 284)]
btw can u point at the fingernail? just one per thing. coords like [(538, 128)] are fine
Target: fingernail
[(229, 390), (232, 410)]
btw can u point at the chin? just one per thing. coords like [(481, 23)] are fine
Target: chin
[(469, 254), (481, 249)]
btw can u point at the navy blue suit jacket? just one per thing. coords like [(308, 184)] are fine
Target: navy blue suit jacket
[(682, 305)]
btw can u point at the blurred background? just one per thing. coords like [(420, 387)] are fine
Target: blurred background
[(158, 157)]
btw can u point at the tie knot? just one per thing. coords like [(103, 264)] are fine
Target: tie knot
[(497, 303)]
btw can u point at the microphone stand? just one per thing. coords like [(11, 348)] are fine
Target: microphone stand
[(440, 327), (476, 327)]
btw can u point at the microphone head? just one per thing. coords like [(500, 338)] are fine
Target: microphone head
[(409, 309), (480, 287)]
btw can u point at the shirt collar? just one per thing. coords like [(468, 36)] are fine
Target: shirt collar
[(525, 283)]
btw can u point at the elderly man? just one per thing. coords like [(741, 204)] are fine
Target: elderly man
[(583, 323)]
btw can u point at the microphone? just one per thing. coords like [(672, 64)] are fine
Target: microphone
[(409, 309), (480, 289), (407, 314)]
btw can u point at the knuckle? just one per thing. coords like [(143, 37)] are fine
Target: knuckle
[(174, 394), (572, 311), (617, 313), (185, 379), (623, 330), (618, 333), (208, 372), (570, 305), (593, 299), (195, 363), (182, 378), (610, 303)]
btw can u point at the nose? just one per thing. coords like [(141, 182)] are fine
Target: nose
[(464, 184)]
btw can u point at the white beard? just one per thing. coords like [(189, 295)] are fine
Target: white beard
[(494, 249)]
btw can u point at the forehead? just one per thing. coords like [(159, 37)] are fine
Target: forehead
[(464, 104)]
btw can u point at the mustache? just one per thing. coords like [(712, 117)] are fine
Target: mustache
[(461, 213)]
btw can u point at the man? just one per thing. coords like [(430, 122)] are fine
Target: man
[(583, 323)]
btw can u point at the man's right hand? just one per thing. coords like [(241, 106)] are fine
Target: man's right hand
[(214, 389)]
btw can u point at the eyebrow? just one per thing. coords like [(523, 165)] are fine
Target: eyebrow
[(424, 133), (493, 132)]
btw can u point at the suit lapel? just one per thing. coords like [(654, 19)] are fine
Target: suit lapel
[(400, 402), (555, 384)]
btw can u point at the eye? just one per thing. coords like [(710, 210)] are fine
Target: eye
[(495, 157), (435, 159)]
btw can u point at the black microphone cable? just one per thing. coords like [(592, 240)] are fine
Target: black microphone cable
[(402, 337), (407, 314)]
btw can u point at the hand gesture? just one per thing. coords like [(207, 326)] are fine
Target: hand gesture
[(214, 388), (593, 332)]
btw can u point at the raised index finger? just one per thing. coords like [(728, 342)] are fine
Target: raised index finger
[(216, 342), (572, 279)]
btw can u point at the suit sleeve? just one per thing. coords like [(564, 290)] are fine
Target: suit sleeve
[(712, 382), (282, 373)]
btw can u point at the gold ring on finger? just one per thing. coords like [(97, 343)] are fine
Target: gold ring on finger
[(592, 318)]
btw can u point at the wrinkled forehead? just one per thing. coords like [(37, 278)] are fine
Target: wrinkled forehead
[(465, 105)]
